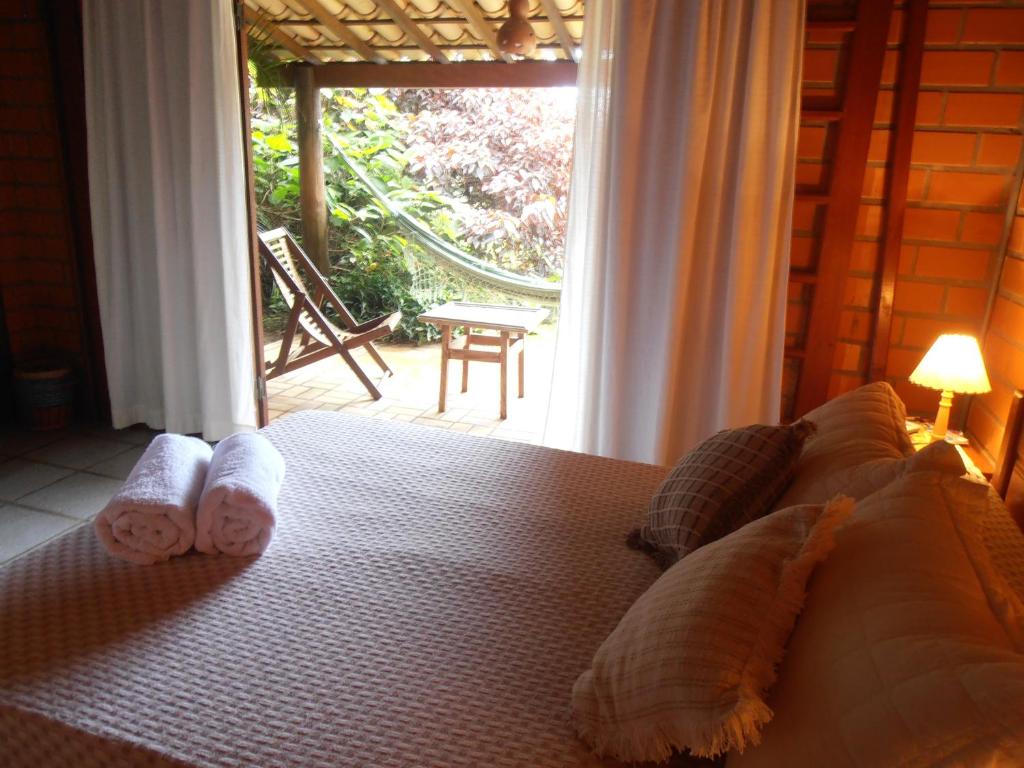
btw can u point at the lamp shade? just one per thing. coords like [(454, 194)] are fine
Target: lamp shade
[(953, 364)]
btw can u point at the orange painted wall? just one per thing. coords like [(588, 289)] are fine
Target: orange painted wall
[(964, 177)]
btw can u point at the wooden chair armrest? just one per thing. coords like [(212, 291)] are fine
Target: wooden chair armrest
[(391, 320)]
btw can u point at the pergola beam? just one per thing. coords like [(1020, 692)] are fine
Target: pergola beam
[(479, 25), (339, 30), (562, 31), (267, 27), (422, 74), (401, 18), (384, 21)]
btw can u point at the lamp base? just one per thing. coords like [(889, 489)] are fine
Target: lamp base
[(942, 417)]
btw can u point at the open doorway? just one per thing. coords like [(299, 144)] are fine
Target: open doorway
[(432, 196)]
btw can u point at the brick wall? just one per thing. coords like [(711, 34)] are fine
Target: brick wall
[(1003, 344), (40, 280), (964, 168)]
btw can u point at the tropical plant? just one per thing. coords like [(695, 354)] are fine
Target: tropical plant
[(503, 157), (487, 169), (368, 252)]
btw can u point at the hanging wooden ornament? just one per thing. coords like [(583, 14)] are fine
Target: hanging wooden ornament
[(516, 35)]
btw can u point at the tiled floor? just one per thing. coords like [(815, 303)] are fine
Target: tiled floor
[(411, 394), (53, 481)]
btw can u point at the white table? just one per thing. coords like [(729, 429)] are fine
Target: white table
[(509, 325)]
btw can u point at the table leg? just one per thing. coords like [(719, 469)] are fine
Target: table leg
[(446, 340), (522, 365), (503, 359), (465, 364)]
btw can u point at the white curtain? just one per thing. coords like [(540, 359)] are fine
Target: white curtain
[(673, 309), (166, 180)]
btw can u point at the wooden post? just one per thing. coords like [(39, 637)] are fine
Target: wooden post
[(311, 168)]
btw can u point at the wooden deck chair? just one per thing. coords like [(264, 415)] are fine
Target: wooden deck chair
[(295, 274)]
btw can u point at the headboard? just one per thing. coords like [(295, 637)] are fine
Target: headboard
[(1008, 478)]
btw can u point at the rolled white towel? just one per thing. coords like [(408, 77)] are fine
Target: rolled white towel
[(238, 509), (153, 516)]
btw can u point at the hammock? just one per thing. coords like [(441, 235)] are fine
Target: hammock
[(445, 256)]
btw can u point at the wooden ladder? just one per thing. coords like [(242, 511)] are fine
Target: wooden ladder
[(850, 112)]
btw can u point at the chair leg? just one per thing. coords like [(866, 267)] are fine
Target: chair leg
[(522, 365), (446, 340), (379, 360), (286, 341), (503, 359), (465, 363), (370, 387)]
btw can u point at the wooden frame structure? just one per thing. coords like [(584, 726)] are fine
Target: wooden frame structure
[(915, 17), (387, 43), (452, 44), (317, 336), (334, 34), (854, 116)]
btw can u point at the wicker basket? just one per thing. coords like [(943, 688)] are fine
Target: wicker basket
[(45, 396)]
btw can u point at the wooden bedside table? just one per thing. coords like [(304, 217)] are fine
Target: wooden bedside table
[(975, 462)]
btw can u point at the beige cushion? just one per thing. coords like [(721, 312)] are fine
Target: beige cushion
[(731, 478), (861, 480), (865, 424), (687, 665), (908, 652)]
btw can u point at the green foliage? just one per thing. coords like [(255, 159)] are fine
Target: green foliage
[(503, 155), (498, 161), (369, 254)]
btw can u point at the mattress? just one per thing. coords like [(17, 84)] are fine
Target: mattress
[(429, 600)]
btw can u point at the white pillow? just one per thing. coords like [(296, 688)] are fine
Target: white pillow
[(863, 425), (860, 480)]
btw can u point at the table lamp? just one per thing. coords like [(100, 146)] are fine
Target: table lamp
[(953, 364)]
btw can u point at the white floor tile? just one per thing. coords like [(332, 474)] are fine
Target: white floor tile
[(80, 495), (19, 477), (138, 435), (77, 452), (21, 529), (119, 466), (17, 442)]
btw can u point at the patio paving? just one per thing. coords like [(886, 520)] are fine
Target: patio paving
[(411, 394)]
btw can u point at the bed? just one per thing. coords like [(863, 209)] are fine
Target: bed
[(408, 613)]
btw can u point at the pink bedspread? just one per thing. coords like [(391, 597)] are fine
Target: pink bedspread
[(428, 601)]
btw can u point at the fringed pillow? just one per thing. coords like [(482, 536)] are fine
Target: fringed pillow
[(733, 477), (689, 663)]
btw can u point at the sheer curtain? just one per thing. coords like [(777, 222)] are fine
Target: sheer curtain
[(166, 180), (673, 308)]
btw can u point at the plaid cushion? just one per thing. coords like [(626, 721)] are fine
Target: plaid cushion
[(727, 481)]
